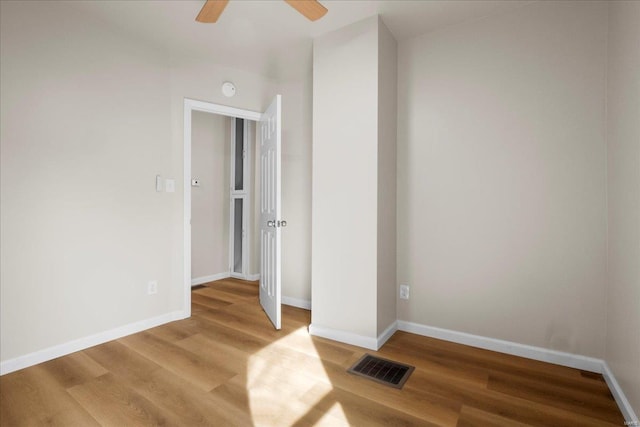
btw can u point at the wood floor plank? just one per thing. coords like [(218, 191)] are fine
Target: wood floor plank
[(232, 399), (258, 326), (33, 397), (469, 376), (253, 393), (176, 331), (161, 387), (177, 396), (236, 287), (508, 406), (230, 336), (300, 340), (73, 369), (118, 359), (459, 357), (327, 351), (473, 417), (178, 360), (256, 319), (266, 406), (590, 404), (304, 416), (421, 404), (112, 403), (222, 295), (262, 373), (295, 313), (227, 366), (358, 410), (229, 357), (209, 302), (458, 354)]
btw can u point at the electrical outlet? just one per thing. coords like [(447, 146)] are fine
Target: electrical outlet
[(404, 291), (152, 287)]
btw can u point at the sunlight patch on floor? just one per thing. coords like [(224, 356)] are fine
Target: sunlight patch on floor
[(293, 374), (336, 413)]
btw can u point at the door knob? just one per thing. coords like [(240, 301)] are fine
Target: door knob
[(282, 223), (271, 223)]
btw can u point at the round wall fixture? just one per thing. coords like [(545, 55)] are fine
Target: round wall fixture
[(228, 89)]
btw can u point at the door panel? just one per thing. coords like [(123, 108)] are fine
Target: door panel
[(270, 141)]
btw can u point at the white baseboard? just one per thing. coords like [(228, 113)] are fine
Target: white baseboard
[(253, 277), (297, 302), (576, 361), (354, 339), (50, 353), (530, 352), (624, 405), (344, 336), (212, 278), (386, 334)]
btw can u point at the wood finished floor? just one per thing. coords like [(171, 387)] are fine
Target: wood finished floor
[(226, 365)]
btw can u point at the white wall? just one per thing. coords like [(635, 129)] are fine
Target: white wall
[(89, 116), (387, 174), (502, 177), (623, 143), (344, 204), (354, 183), (210, 163), (85, 128), (296, 187)]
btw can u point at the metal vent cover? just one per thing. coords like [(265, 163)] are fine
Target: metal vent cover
[(381, 370)]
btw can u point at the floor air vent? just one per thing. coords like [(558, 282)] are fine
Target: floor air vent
[(384, 371)]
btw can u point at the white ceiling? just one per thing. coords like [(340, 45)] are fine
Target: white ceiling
[(269, 37)]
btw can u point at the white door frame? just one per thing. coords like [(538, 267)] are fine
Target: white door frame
[(191, 105)]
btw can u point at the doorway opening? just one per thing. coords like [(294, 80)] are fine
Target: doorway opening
[(229, 221), (223, 203), (267, 129)]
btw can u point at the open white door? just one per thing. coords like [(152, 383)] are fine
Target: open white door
[(270, 221)]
